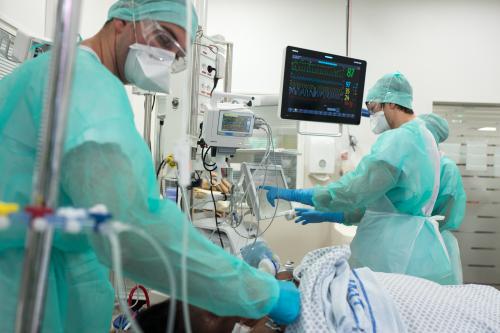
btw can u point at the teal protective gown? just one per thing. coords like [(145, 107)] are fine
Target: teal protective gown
[(451, 203), (105, 161), (452, 200), (395, 185)]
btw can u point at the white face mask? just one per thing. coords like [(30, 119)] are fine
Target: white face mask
[(149, 67), (379, 123)]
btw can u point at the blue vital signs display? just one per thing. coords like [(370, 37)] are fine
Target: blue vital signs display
[(322, 87)]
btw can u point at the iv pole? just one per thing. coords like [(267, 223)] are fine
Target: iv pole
[(30, 308)]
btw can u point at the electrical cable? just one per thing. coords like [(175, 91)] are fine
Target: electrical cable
[(201, 130), (214, 167), (160, 167), (215, 210), (205, 164), (211, 69), (204, 156), (216, 81)]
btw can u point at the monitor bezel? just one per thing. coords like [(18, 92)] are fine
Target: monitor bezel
[(285, 79)]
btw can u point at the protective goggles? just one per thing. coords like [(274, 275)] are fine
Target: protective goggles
[(160, 38), (373, 107)]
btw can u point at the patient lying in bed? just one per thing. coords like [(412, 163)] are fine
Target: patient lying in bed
[(338, 299)]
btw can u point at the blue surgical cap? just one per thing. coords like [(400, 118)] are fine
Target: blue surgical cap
[(392, 88), (437, 125), (172, 11)]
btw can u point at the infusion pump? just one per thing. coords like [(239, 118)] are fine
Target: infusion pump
[(228, 126)]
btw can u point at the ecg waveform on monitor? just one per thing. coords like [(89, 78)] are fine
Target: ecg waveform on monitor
[(307, 67), (314, 80), (321, 86), (308, 90)]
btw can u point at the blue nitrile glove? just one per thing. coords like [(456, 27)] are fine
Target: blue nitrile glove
[(306, 216), (303, 196), (287, 308), (254, 253)]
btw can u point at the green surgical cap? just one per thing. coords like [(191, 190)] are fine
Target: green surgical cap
[(172, 11), (392, 88), (437, 125)]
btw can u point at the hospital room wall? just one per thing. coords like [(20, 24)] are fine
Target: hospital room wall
[(16, 14), (447, 49)]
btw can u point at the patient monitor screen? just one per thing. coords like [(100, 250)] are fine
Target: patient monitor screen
[(235, 123), (322, 87), (272, 176)]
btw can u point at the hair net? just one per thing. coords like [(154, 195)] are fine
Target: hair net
[(172, 11), (392, 88), (437, 126)]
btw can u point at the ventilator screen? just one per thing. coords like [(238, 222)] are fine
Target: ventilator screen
[(322, 87)]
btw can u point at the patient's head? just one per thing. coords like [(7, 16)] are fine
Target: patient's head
[(155, 319)]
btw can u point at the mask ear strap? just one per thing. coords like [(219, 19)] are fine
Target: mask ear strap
[(133, 20)]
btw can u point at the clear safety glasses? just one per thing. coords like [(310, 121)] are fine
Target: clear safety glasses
[(373, 107), (160, 38)]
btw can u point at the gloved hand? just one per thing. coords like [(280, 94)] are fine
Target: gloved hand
[(260, 256), (254, 253), (306, 216), (303, 195), (287, 308)]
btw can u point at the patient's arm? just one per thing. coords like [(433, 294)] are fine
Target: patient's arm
[(154, 319)]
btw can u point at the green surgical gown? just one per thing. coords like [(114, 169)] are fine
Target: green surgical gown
[(452, 199), (393, 184), (107, 162), (451, 203), (397, 167)]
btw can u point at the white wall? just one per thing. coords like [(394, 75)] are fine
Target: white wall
[(27, 15), (261, 29), (449, 50), (93, 16), (37, 17)]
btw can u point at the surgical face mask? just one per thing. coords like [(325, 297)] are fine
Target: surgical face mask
[(379, 123), (149, 68)]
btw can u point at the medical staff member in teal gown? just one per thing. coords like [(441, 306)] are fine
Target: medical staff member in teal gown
[(450, 203), (106, 162), (391, 193)]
